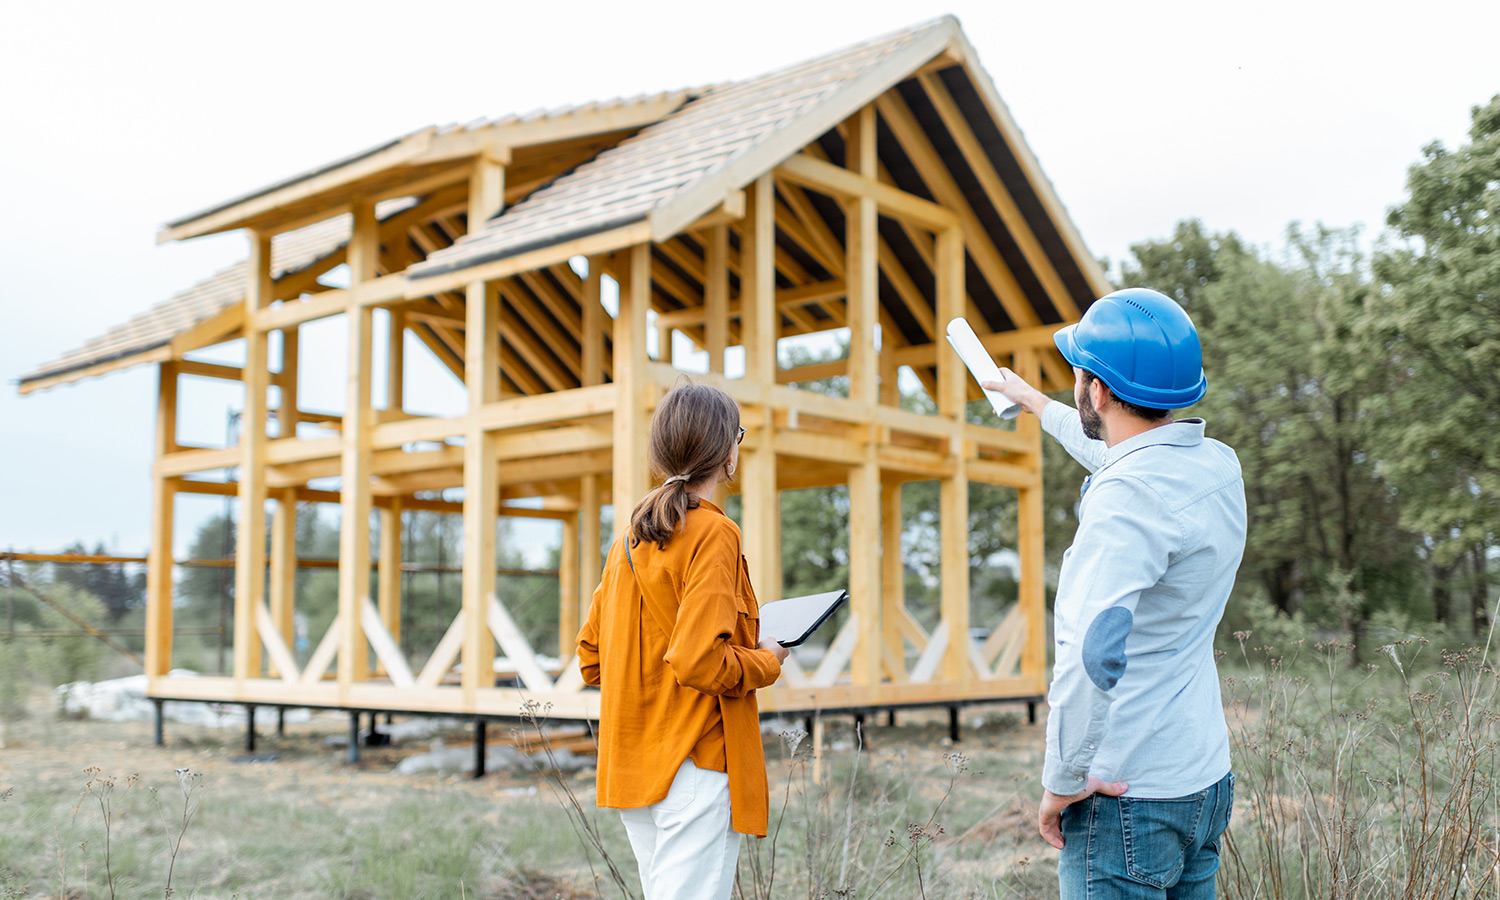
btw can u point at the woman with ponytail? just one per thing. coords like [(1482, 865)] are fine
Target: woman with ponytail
[(672, 640)]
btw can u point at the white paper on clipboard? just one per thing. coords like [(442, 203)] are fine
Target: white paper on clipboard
[(981, 365), (793, 620)]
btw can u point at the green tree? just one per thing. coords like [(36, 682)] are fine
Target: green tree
[(1289, 375), (118, 588), (1439, 318)]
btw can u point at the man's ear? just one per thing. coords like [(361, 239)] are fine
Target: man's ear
[(1103, 395)]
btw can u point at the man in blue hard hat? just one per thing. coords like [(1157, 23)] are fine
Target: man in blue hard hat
[(1137, 782)]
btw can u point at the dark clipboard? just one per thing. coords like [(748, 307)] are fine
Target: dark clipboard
[(799, 616)]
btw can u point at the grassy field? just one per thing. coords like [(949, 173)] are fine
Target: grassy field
[(898, 809), (1367, 779)]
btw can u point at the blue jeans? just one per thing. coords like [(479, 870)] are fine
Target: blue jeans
[(1133, 849)]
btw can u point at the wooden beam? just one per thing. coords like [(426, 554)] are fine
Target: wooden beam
[(395, 362), (589, 525), (355, 461), (283, 578), (486, 189), (481, 480), (758, 321), (844, 184), (998, 343), (962, 51), (287, 414), (559, 341), (716, 295), (388, 574), (999, 196), (159, 560), (589, 245), (567, 590), (934, 173), (861, 268), (591, 371), (892, 581), (632, 381), (250, 531), (1033, 588), (953, 491)]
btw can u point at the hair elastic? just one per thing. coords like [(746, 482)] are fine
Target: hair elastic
[(674, 479)]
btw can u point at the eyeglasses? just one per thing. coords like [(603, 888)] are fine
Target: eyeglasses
[(740, 438)]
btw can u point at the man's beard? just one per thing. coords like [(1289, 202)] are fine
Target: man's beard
[(1093, 423)]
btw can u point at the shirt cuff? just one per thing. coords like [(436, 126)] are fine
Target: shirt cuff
[(1062, 779)]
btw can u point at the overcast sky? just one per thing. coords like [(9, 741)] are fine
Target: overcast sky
[(120, 116)]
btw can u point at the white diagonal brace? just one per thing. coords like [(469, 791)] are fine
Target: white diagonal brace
[(839, 653), (444, 654), (932, 655), (570, 679), (386, 649), (516, 647), (276, 648), (323, 656)]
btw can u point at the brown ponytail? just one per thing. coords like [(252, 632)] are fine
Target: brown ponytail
[(693, 433)]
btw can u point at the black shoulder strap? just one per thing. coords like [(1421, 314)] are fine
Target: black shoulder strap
[(641, 589)]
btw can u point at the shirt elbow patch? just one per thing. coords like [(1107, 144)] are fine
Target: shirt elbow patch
[(1104, 646)]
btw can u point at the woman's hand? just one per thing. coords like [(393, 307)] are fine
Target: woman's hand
[(781, 652)]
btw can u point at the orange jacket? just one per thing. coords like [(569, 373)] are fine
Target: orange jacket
[(675, 656)]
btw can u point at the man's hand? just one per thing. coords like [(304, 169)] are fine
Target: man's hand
[(1050, 818), (781, 652), (1013, 387)]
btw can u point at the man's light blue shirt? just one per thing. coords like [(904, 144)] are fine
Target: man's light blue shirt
[(1135, 692)]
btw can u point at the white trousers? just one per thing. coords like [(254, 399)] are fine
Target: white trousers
[(684, 845)]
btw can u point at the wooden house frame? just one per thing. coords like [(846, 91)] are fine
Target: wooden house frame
[(884, 189)]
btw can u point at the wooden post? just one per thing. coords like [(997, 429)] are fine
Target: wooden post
[(486, 188), (664, 344), (283, 565), (589, 564), (892, 578), (593, 326), (250, 529), (567, 589), (395, 362), (355, 499), (388, 573), (758, 318), (1033, 588), (954, 490), (287, 415), (159, 565), (481, 486), (862, 275), (631, 469), (716, 295)]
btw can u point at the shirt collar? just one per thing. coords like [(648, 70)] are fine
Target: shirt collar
[(1181, 433), (710, 504)]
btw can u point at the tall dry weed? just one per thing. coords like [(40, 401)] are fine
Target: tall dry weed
[(1363, 783)]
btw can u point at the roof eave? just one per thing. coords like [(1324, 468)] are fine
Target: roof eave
[(236, 213), (427, 146)]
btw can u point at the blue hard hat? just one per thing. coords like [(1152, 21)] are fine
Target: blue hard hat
[(1141, 344)]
